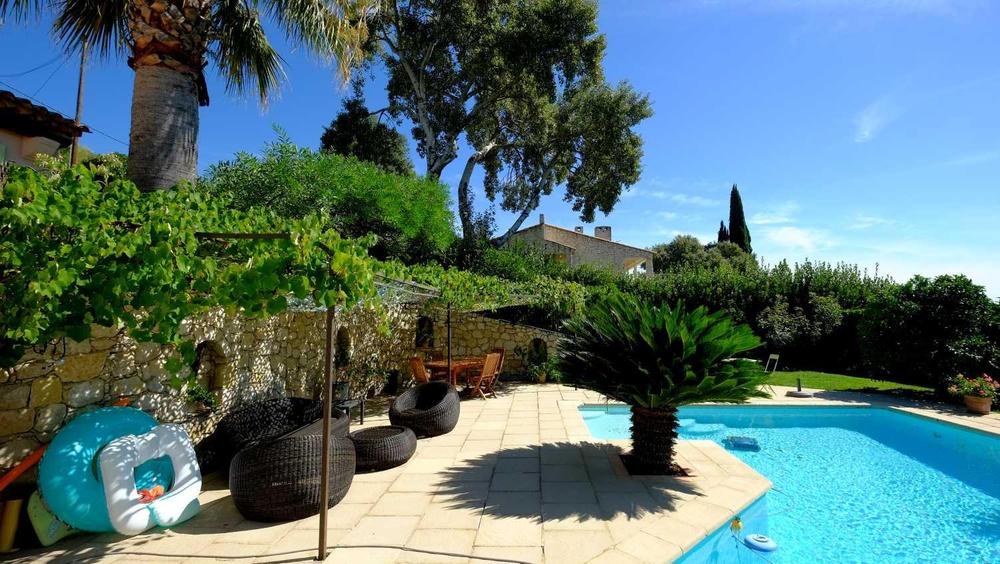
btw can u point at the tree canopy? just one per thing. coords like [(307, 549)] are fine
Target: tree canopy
[(739, 233), (409, 216), (515, 78), (356, 132)]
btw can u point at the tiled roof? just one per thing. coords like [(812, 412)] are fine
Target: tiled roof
[(31, 120)]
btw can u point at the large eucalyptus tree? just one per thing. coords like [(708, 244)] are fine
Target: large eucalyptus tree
[(169, 44), (521, 82)]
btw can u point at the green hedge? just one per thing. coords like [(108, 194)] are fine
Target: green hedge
[(818, 316)]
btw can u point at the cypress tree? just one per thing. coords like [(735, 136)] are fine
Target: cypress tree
[(723, 232), (739, 233)]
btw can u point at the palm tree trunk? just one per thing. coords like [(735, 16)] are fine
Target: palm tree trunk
[(654, 433), (169, 39), (163, 141)]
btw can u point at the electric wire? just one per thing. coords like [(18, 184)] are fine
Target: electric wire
[(39, 102), (32, 69), (46, 81)]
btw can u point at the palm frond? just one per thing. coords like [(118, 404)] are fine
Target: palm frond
[(102, 24), (658, 356), (242, 52), (329, 28), (21, 9)]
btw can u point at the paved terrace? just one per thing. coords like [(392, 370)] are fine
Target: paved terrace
[(519, 480)]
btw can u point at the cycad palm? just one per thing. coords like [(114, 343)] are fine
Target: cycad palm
[(656, 359), (169, 43)]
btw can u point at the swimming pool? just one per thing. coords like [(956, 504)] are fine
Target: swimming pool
[(851, 484)]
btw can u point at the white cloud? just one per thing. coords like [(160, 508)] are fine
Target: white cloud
[(783, 213), (867, 221), (666, 215), (970, 159), (874, 117), (797, 238), (690, 199)]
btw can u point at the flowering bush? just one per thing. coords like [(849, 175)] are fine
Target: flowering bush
[(981, 387)]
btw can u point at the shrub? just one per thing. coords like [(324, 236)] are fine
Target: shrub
[(927, 330), (409, 215), (981, 387)]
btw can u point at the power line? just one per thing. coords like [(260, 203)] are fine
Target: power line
[(53, 73), (33, 69), (39, 102)]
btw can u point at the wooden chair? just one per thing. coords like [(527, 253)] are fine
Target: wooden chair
[(496, 375), (418, 370), (480, 382)]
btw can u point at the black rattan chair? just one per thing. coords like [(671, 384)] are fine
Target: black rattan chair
[(279, 480), (429, 409), (263, 421), (381, 448)]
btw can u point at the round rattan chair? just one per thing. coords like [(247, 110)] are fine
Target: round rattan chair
[(429, 409), (381, 448), (262, 421), (279, 480)]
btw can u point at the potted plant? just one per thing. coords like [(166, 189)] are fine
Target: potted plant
[(977, 393), (657, 358), (545, 371)]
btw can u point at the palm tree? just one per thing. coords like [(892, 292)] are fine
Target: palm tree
[(169, 43), (656, 359)]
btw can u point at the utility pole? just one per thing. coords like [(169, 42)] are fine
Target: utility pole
[(74, 152)]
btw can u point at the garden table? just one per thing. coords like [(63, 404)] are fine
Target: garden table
[(459, 364)]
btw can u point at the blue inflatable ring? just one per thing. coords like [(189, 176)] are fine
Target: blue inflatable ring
[(69, 476), (760, 542)]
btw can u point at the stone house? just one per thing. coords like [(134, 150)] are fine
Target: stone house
[(574, 247), (27, 129)]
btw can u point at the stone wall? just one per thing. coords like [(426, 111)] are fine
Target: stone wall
[(240, 360), (474, 334)]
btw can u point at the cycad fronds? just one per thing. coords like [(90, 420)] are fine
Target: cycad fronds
[(660, 357)]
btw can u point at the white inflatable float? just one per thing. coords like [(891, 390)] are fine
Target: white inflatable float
[(129, 514)]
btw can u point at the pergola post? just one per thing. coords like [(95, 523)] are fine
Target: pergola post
[(327, 399), (448, 323)]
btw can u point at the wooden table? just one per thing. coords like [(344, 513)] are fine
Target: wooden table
[(459, 364)]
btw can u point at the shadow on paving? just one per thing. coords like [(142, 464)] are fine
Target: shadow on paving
[(559, 481)]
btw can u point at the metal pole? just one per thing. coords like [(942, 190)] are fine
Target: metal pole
[(74, 151), (449, 342), (327, 399)]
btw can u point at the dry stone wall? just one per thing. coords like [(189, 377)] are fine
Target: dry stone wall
[(242, 360)]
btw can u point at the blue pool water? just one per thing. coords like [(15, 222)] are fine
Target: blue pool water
[(850, 484)]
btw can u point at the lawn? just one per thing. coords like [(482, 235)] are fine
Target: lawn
[(839, 382)]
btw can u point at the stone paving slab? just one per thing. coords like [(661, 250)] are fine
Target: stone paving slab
[(520, 479)]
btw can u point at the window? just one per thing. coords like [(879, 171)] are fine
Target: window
[(425, 333)]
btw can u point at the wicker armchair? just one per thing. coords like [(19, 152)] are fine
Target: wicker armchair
[(429, 409), (262, 421), (279, 480)]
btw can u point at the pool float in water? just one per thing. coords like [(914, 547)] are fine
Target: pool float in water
[(69, 476), (133, 510), (760, 542)]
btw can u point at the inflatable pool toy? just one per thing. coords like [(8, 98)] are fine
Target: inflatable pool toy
[(760, 542), (48, 528), (69, 475), (133, 510)]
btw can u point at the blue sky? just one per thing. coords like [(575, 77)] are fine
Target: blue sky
[(864, 131)]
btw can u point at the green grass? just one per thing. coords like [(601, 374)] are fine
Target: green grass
[(840, 382)]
